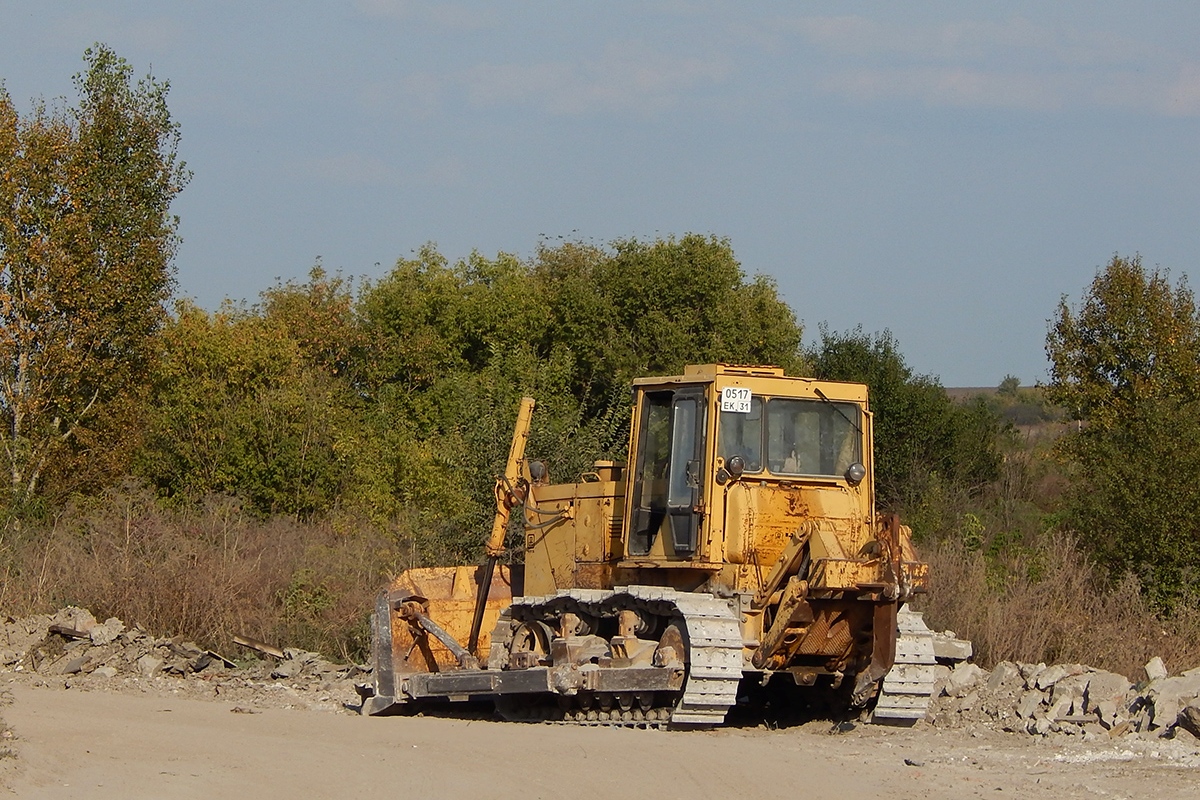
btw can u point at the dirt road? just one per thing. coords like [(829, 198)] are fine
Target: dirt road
[(94, 744)]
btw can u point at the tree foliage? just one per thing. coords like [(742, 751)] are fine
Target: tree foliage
[(1134, 336), (86, 241), (399, 399), (251, 402), (1127, 365)]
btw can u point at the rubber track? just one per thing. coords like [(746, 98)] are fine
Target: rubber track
[(714, 643), (908, 687)]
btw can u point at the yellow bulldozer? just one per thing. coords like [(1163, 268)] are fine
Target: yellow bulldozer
[(739, 546)]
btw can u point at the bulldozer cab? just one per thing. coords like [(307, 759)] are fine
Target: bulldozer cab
[(723, 452)]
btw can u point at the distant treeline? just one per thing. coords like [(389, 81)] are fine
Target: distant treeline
[(396, 398)]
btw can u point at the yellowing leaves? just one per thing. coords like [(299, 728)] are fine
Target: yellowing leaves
[(85, 248)]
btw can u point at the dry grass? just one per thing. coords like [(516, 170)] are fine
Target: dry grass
[(212, 573), (1049, 603), (206, 574)]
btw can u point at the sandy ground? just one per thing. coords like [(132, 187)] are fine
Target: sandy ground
[(72, 743)]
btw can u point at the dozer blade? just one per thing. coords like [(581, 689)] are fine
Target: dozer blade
[(403, 647)]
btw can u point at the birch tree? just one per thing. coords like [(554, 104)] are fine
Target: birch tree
[(86, 243)]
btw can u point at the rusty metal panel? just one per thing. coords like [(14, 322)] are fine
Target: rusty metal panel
[(449, 595), (843, 574)]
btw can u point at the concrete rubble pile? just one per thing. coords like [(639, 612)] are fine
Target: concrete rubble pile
[(72, 647), (1070, 699)]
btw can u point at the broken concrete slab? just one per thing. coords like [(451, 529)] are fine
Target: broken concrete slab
[(1029, 703), (1030, 673), (1106, 687), (149, 665), (1005, 674), (947, 647), (1170, 696), (107, 632), (963, 678), (1189, 719)]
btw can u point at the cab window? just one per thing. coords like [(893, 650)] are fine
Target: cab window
[(742, 435), (810, 437)]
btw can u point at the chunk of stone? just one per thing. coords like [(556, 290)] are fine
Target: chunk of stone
[(302, 656), (1030, 673), (107, 632), (149, 665), (1004, 674), (74, 666), (1070, 690), (1029, 703), (946, 647), (105, 672), (179, 666), (1059, 709), (963, 679), (287, 669), (1189, 719), (1107, 711), (1052, 675), (79, 619), (1105, 687), (1170, 696), (1156, 670)]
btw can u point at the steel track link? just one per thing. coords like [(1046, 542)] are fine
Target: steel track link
[(714, 655), (908, 687)]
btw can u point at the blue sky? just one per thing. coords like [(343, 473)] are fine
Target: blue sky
[(943, 170)]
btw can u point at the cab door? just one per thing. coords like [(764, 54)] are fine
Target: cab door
[(669, 469)]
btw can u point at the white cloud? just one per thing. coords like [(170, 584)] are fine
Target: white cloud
[(443, 15), (1012, 41), (1008, 64), (623, 77), (1180, 97), (950, 86), (626, 76)]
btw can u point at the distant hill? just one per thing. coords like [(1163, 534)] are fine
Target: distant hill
[(1025, 407), (960, 393)]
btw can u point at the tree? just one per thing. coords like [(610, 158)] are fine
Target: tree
[(1127, 364), (1135, 336), (650, 307), (86, 243), (240, 409), (1134, 493)]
